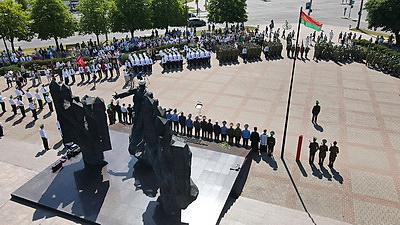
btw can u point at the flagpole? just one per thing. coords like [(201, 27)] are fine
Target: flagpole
[(290, 88)]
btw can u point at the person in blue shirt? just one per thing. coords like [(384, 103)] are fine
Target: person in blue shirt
[(189, 125), (217, 131), (175, 120), (246, 136), (224, 131)]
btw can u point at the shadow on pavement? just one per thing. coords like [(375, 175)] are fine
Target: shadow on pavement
[(316, 172), (337, 176), (318, 127), (297, 191), (302, 170), (269, 160)]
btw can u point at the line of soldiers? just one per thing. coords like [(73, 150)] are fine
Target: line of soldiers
[(171, 59), (323, 149), (197, 57), (273, 49), (206, 130), (139, 63)]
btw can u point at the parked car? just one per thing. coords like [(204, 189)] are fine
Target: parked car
[(191, 15), (196, 22)]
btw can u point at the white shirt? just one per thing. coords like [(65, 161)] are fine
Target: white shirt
[(43, 90), (1, 99), (28, 95), (17, 92), (20, 103), (31, 105), (42, 133), (48, 99), (11, 101), (37, 96)]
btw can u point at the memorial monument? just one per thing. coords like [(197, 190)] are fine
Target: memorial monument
[(83, 122), (152, 142)]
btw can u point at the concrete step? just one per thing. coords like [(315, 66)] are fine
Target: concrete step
[(247, 211)]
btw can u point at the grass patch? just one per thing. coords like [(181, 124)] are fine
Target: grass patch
[(370, 32)]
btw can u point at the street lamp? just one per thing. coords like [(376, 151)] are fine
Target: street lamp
[(198, 106), (359, 15), (4, 40)]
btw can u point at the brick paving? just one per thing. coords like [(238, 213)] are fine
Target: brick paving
[(360, 109)]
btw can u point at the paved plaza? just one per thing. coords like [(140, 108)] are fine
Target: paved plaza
[(360, 110)]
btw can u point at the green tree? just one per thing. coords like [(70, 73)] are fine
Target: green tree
[(132, 15), (227, 11), (24, 3), (52, 19), (384, 14), (14, 22), (169, 13), (96, 16)]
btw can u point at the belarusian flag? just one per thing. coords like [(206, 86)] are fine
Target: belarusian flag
[(310, 22)]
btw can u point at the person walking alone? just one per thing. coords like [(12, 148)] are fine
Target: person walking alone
[(315, 111)]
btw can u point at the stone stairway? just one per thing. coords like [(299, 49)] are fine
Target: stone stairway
[(247, 211)]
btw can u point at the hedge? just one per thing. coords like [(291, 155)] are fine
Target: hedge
[(5, 69), (377, 47), (46, 62)]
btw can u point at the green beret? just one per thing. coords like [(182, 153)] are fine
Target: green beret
[(41, 125), (272, 133), (324, 141)]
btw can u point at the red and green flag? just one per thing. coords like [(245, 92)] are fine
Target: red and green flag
[(310, 22)]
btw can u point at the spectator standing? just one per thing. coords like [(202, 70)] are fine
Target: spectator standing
[(175, 120), (189, 125), (255, 140), (224, 130), (217, 131), (231, 133), (182, 123), (124, 112), (246, 136), (209, 130), (204, 130), (263, 141), (197, 127), (238, 134), (130, 114)]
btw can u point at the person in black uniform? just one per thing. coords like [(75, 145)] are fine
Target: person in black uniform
[(217, 131), (238, 135), (182, 123), (334, 150), (271, 143), (313, 149), (110, 115), (197, 127), (119, 112), (130, 114), (323, 148), (315, 111), (255, 140), (203, 126), (231, 133), (209, 130)]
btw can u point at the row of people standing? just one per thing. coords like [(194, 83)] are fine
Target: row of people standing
[(206, 130)]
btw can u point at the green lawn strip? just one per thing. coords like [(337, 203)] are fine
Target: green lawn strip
[(370, 32)]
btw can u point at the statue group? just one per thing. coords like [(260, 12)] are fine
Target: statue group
[(151, 140)]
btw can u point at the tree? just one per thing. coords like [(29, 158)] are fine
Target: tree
[(24, 4), (132, 15), (384, 14), (169, 13), (52, 19), (96, 16), (14, 22), (227, 11)]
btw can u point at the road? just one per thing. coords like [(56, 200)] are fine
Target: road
[(260, 12)]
